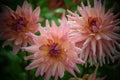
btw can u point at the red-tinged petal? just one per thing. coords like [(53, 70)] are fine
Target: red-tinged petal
[(36, 14), (38, 71), (61, 69), (31, 49), (25, 4), (31, 67), (54, 69), (16, 49), (48, 75), (7, 42), (71, 71)]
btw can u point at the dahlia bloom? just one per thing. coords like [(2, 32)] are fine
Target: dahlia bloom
[(15, 24), (53, 51), (95, 32)]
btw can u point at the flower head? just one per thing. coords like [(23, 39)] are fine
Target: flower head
[(15, 25), (95, 32), (53, 51)]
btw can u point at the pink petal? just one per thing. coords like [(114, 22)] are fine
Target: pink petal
[(31, 49), (16, 48)]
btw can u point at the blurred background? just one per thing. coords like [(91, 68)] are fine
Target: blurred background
[(12, 67)]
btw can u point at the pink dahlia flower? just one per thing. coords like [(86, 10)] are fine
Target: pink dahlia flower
[(53, 51), (95, 32), (15, 24)]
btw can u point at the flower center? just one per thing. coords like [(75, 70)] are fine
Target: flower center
[(54, 49), (19, 25), (94, 23)]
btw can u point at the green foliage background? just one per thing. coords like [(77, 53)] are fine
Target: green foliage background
[(12, 67)]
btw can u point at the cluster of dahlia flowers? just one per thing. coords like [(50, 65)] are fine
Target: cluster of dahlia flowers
[(86, 36)]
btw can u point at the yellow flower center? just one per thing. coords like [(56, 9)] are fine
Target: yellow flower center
[(52, 48)]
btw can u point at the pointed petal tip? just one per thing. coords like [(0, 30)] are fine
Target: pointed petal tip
[(25, 3), (36, 12), (16, 50), (23, 48), (47, 23), (25, 58), (37, 74), (80, 61), (27, 68)]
